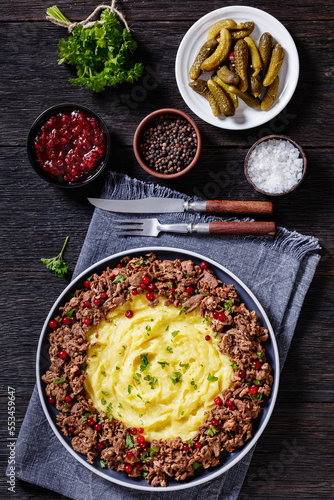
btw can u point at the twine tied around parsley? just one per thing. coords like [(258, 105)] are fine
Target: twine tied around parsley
[(57, 17)]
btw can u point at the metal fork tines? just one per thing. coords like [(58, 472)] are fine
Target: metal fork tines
[(147, 227)]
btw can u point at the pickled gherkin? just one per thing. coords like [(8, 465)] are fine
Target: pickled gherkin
[(276, 60), (242, 33), (228, 76), (225, 87), (241, 63), (270, 95), (205, 51), (265, 48), (254, 55), (216, 28), (251, 101), (255, 85), (221, 52), (225, 104), (201, 87)]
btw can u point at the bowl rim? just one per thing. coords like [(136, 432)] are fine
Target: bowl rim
[(140, 128), (246, 448), (267, 138), (40, 121)]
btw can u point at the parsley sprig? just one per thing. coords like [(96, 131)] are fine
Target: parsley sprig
[(56, 264)]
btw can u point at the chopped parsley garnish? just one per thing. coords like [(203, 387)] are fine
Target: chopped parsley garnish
[(106, 393), (214, 334), (137, 378), (163, 364), (128, 441), (117, 368), (93, 356), (193, 384), (176, 377), (252, 365), (144, 457), (169, 349), (152, 450), (190, 442), (141, 414), (257, 382), (182, 412), (206, 320), (120, 416), (84, 366), (103, 401), (175, 333), (120, 406), (124, 347), (129, 389), (109, 408), (151, 380), (186, 365), (211, 378), (119, 279), (234, 366), (70, 313), (103, 464), (145, 474), (103, 373), (100, 419), (139, 396), (66, 407), (183, 309), (59, 380), (196, 465), (187, 275), (258, 397), (141, 262), (167, 328), (228, 305), (85, 418), (170, 286), (148, 328), (212, 431), (259, 354), (206, 292), (144, 362)]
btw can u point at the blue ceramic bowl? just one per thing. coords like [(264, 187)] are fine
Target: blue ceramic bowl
[(246, 296)]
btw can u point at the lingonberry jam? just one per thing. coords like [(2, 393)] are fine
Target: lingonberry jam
[(70, 146)]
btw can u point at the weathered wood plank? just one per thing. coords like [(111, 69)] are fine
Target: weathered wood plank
[(33, 81)]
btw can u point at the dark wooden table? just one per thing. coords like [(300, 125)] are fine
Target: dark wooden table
[(294, 457)]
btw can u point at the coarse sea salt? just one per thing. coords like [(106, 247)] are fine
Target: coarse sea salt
[(274, 166)]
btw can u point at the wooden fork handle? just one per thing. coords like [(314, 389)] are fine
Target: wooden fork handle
[(243, 228), (239, 207)]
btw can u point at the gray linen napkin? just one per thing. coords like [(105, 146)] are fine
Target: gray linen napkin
[(278, 270)]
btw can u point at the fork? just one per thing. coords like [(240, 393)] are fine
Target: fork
[(152, 227)]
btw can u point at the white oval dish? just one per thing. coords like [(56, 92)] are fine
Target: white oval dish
[(245, 117), (246, 296)]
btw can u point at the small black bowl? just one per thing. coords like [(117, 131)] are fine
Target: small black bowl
[(35, 129)]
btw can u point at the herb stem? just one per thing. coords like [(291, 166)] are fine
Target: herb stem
[(57, 14)]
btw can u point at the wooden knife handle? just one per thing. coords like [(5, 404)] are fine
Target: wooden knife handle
[(243, 228), (239, 207)]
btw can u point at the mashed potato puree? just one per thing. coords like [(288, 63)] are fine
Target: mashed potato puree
[(154, 369)]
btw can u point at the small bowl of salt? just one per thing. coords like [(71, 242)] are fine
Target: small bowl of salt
[(275, 165)]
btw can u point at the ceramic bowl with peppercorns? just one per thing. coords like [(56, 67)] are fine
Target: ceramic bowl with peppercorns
[(167, 143), (68, 145)]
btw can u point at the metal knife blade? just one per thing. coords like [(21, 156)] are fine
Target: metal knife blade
[(144, 206)]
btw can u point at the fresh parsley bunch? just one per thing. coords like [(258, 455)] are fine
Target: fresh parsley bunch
[(102, 54)]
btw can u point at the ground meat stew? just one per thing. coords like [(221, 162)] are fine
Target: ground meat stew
[(186, 286)]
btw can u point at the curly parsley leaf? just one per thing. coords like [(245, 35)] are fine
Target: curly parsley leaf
[(128, 441), (228, 305), (56, 264), (103, 464), (212, 431), (151, 380)]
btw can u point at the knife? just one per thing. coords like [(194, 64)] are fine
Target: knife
[(168, 205)]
